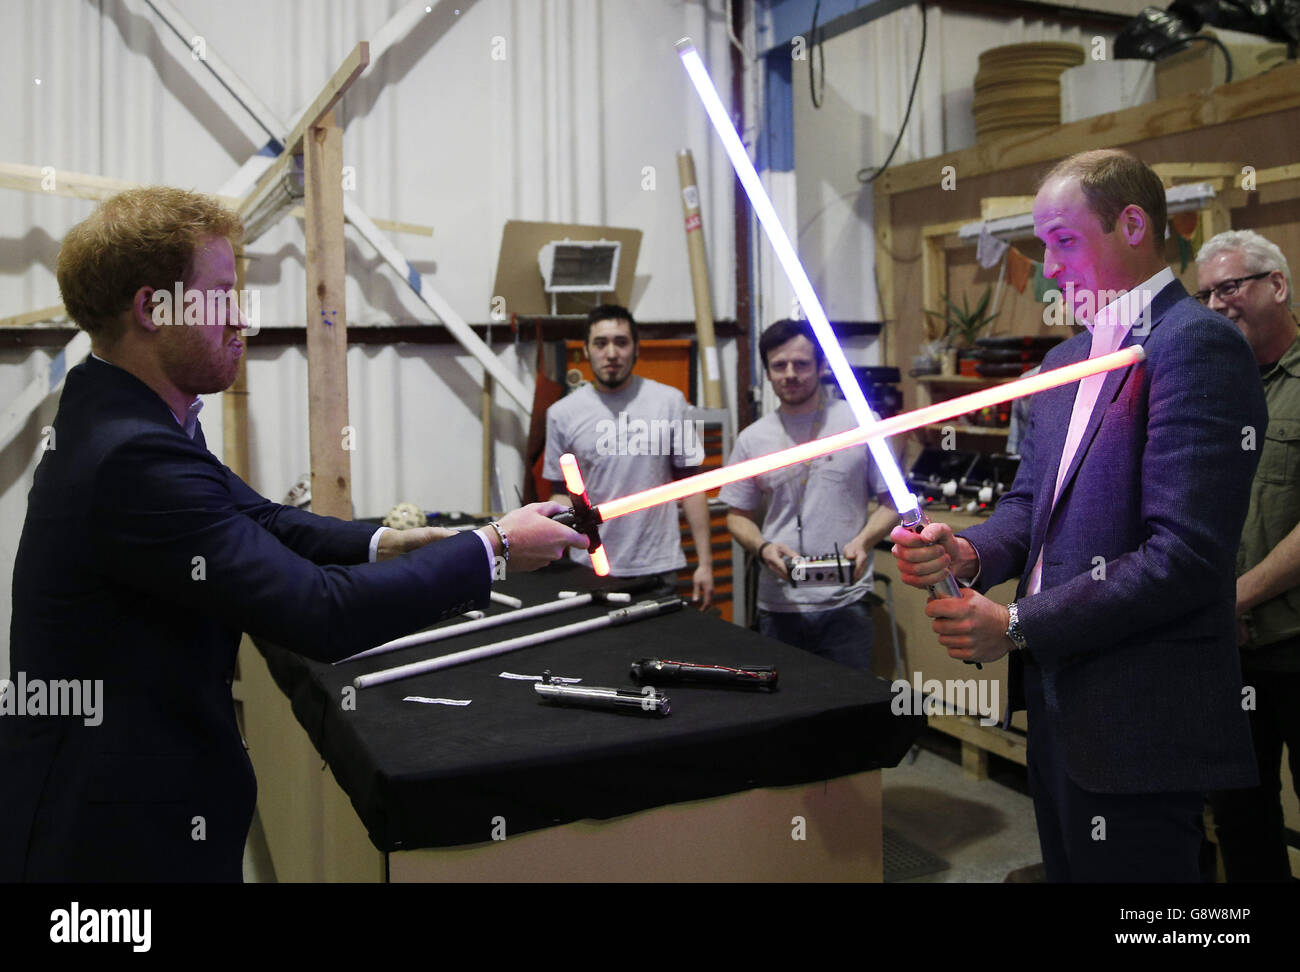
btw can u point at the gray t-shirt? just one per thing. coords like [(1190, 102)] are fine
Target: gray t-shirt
[(834, 500), (627, 441)]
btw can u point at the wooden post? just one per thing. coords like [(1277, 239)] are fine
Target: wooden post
[(709, 367), (486, 407), (327, 327), (234, 403)]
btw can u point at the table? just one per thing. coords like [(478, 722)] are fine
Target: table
[(732, 785)]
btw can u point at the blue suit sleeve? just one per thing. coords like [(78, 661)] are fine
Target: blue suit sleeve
[(167, 522)]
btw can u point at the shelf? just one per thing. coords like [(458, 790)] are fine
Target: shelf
[(972, 429), (964, 380)]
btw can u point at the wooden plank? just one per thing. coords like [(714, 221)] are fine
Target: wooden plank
[(82, 185), (992, 739), (934, 277), (58, 182), (884, 231), (329, 96), (1278, 90), (234, 401), (261, 206), (34, 317), (1278, 173), (995, 207), (327, 336), (388, 225), (1193, 171)]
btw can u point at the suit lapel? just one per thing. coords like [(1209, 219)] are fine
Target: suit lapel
[(1110, 389)]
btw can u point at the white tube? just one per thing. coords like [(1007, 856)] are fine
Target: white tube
[(467, 627), (484, 651), (506, 599)]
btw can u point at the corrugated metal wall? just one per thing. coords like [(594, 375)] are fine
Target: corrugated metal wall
[(559, 125)]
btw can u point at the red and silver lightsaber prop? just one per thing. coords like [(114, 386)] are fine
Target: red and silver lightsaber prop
[(897, 425)]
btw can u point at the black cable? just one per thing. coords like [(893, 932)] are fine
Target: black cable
[(1183, 42), (920, 59), (820, 48)]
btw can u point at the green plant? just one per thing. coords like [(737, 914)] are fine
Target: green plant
[(964, 323)]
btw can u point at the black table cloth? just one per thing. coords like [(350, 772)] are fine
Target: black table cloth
[(423, 775)]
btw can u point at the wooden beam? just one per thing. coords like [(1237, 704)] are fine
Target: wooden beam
[(262, 205), (329, 96), (403, 21), (1193, 171), (327, 326), (388, 225), (234, 401), (57, 182), (34, 317), (1278, 173), (81, 185), (1277, 90), (884, 232)]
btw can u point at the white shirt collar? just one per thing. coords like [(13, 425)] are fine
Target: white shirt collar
[(1112, 323)]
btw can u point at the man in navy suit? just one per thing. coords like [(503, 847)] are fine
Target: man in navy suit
[(1122, 527), (142, 559)]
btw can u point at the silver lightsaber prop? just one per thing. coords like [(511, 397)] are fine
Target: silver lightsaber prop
[(469, 627), (636, 612), (594, 697)]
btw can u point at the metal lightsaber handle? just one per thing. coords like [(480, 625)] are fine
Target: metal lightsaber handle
[(947, 586), (595, 697)]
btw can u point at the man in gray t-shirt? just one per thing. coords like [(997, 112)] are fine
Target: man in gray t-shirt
[(630, 433), (812, 509)]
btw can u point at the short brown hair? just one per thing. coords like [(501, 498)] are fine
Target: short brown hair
[(143, 237), (1112, 179)]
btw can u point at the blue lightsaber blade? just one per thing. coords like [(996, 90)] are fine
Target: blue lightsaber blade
[(906, 503)]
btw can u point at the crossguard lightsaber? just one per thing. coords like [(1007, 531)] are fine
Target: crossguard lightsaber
[(582, 517), (896, 425)]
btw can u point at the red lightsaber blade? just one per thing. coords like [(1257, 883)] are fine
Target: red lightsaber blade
[(906, 422)]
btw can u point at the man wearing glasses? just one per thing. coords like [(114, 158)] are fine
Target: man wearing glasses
[(1245, 278)]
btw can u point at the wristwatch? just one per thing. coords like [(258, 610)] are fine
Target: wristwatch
[(1013, 626)]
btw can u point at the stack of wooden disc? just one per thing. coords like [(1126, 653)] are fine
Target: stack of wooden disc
[(1018, 87)]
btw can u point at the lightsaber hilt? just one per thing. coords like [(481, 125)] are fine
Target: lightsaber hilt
[(660, 669), (947, 585), (649, 701), (582, 516)]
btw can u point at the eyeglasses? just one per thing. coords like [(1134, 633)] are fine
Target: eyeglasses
[(1228, 288)]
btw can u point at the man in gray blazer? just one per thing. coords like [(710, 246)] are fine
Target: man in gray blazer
[(1122, 527)]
